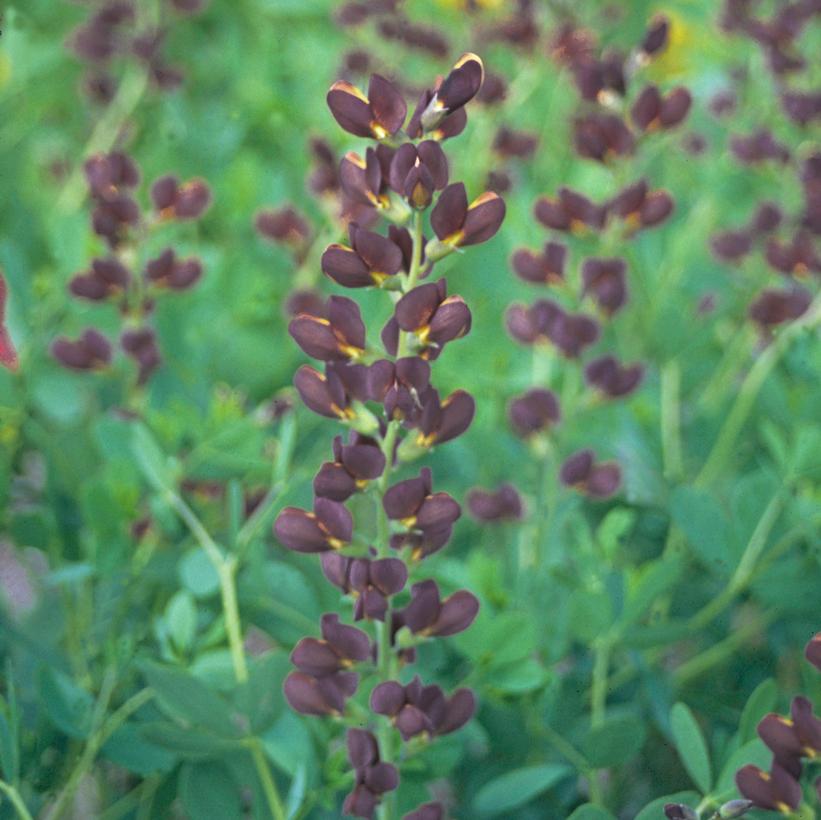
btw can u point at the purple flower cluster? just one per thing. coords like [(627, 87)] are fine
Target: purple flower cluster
[(394, 414), (116, 32), (112, 278), (786, 239)]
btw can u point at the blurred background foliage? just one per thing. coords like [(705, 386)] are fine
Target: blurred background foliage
[(86, 605)]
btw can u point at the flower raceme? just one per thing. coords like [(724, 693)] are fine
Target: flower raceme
[(118, 219), (394, 415)]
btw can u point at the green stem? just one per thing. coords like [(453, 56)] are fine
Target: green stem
[(210, 547), (269, 787), (671, 420), (598, 691), (227, 570), (104, 136), (718, 653), (100, 731), (745, 570), (386, 659), (15, 800), (748, 393), (413, 275)]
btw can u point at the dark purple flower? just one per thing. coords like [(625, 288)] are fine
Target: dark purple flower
[(328, 527), (502, 504), (611, 378), (92, 351), (598, 480), (535, 411), (776, 790), (378, 115)]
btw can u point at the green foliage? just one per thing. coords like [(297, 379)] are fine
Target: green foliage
[(131, 688)]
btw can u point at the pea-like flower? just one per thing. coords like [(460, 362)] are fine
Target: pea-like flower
[(655, 38), (603, 80), (428, 615), (641, 208), (731, 246), (372, 777), (168, 271), (776, 790), (175, 200), (365, 181), (340, 648), (106, 278), (794, 737), (795, 258), (459, 224), (414, 505), (378, 115), (371, 582), (606, 281), (328, 527), (612, 379), (653, 111), (354, 465), (774, 307), (141, 345), (596, 479), (438, 106), (92, 351), (418, 171), (332, 394), (490, 506), (534, 412), (338, 336), (400, 386), (370, 260), (760, 146), (569, 211), (433, 317), (427, 811), (543, 268), (319, 696), (602, 137), (285, 225)]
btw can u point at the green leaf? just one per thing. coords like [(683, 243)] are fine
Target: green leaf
[(615, 741), (260, 699), (129, 749), (68, 706), (762, 700), (517, 678), (151, 460), (490, 642), (193, 744), (706, 526), (185, 698), (753, 752), (208, 791), (591, 812), (692, 748), (181, 619), (8, 748), (197, 574), (655, 810), (655, 579), (514, 789), (288, 744)]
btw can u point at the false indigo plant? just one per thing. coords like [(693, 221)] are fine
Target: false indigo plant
[(393, 415), (111, 278)]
